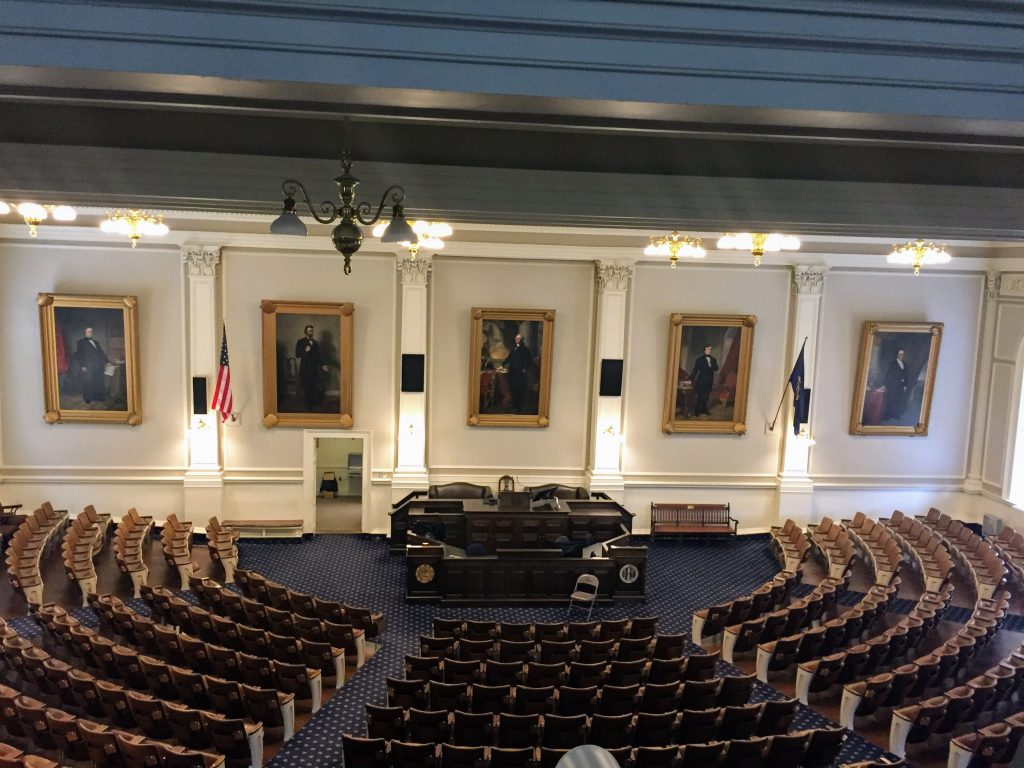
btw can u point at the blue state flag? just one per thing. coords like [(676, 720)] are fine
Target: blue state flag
[(801, 395)]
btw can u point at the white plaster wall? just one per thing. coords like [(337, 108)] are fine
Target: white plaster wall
[(658, 292), (456, 449), (850, 299), (251, 276), (155, 276)]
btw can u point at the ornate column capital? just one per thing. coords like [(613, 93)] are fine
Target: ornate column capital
[(809, 279), (993, 283), (202, 260), (414, 271), (612, 276)]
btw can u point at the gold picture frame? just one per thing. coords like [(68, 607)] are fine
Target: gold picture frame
[(895, 380), (311, 386), (97, 382), (516, 393), (717, 386)]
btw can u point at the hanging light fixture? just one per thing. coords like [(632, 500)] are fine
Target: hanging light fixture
[(675, 246), (919, 253), (347, 235), (758, 243), (429, 235), (134, 224), (35, 214)]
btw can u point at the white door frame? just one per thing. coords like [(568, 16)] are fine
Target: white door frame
[(309, 489)]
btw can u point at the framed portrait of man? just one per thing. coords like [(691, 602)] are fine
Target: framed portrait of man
[(510, 367), (90, 347), (895, 378), (307, 364), (708, 373)]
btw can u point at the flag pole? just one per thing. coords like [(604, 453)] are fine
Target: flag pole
[(771, 427)]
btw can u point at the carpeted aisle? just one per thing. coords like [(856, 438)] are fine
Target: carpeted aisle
[(682, 577)]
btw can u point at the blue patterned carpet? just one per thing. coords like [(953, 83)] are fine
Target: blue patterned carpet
[(682, 577)]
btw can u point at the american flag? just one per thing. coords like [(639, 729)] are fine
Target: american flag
[(222, 400)]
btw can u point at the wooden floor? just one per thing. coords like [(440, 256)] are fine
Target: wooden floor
[(58, 589)]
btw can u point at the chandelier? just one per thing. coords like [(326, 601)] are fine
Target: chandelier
[(134, 224), (674, 246), (35, 214), (758, 243), (429, 235), (347, 235), (919, 253)]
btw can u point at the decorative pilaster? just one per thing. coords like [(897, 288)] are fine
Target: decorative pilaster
[(976, 451), (410, 468), (795, 485), (204, 476), (605, 470)]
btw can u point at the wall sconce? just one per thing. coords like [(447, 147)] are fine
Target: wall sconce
[(805, 437), (612, 433)]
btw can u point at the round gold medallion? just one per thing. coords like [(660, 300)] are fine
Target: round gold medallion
[(425, 574)]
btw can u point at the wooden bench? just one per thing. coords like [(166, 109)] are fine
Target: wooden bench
[(265, 529), (695, 519)]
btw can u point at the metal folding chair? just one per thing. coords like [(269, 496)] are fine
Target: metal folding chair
[(585, 593)]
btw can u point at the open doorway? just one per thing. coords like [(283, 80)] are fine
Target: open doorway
[(339, 484)]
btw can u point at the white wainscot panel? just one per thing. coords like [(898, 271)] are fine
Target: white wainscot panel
[(1009, 329), (994, 457)]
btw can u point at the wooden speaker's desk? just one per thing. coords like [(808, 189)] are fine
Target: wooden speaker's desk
[(521, 563)]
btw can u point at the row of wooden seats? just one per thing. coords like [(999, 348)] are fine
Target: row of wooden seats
[(176, 542), (815, 748), (13, 757), (40, 728), (698, 667), (787, 620), (10, 519), (885, 681), (623, 649), (617, 728), (995, 744), (925, 548), (211, 658), (790, 545), (909, 682), (250, 700), (943, 715), (132, 531), (868, 657), (591, 690), (760, 626), (1010, 546), (707, 623), (222, 541), (123, 697), (976, 555), (878, 545), (831, 636), (576, 631), (84, 541), (626, 650), (250, 636), (912, 723), (275, 595), (317, 654), (563, 730), (25, 551), (835, 545)]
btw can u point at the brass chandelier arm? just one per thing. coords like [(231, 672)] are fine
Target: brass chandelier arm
[(363, 209), (291, 186)]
